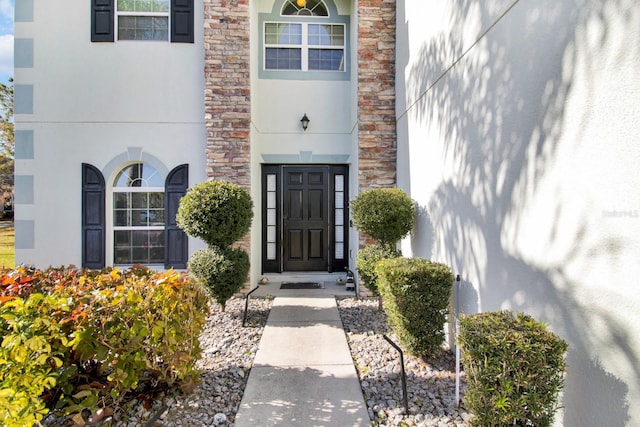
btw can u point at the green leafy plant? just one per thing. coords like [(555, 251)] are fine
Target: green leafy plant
[(223, 271), (385, 214), (367, 260), (79, 342), (515, 369), (34, 349), (217, 212), (416, 293)]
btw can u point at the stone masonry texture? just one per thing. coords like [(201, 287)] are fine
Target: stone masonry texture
[(227, 94), (227, 90), (376, 94)]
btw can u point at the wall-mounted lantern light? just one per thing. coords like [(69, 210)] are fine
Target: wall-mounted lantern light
[(305, 121)]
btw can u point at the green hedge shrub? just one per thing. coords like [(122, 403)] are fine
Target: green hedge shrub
[(217, 212), (222, 271), (385, 214), (415, 293), (366, 261), (515, 369), (79, 341)]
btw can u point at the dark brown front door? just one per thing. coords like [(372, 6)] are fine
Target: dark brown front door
[(305, 218)]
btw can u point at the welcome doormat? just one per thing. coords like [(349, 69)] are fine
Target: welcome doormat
[(300, 285)]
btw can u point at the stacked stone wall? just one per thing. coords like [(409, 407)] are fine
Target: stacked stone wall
[(376, 93), (227, 94), (227, 90)]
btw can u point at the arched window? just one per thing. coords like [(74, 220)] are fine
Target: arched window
[(312, 44), (138, 216), (304, 8)]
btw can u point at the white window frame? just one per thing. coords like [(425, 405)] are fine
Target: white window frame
[(110, 217), (127, 13), (304, 46)]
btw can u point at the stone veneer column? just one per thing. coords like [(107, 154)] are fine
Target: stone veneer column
[(227, 93), (227, 90), (376, 93)]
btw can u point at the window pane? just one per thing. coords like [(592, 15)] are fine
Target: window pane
[(122, 238), (120, 218), (143, 5), (156, 238), (143, 28), (138, 175), (139, 200), (283, 33), (271, 251), (283, 59), (307, 8), (326, 59), (156, 217), (121, 200), (156, 200), (326, 35)]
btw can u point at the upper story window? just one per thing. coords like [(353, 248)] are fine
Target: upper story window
[(168, 20), (307, 45), (143, 19)]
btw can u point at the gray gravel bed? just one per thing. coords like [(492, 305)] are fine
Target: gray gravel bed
[(229, 350), (430, 383)]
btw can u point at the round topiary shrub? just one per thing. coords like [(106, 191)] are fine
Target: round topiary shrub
[(415, 293), (223, 271), (515, 369), (366, 261), (385, 214), (217, 212)]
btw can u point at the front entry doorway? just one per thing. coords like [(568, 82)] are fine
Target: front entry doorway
[(304, 218)]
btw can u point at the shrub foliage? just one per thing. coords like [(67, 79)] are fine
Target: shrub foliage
[(385, 214), (367, 260), (415, 293), (217, 212), (515, 369), (82, 341), (222, 271)]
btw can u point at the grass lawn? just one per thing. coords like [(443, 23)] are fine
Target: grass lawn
[(7, 252)]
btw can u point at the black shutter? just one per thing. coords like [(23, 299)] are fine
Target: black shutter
[(182, 21), (93, 217), (102, 20), (175, 243)]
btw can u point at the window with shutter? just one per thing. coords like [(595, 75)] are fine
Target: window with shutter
[(93, 217), (163, 20), (176, 248)]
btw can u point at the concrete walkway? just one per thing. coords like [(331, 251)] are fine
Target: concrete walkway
[(303, 373)]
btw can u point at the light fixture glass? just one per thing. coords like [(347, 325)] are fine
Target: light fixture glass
[(305, 121)]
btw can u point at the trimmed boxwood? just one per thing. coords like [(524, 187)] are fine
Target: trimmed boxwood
[(415, 293), (385, 214), (514, 366), (217, 212), (367, 260), (223, 271)]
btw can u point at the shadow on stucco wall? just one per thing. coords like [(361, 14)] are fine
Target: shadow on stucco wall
[(422, 234), (500, 113)]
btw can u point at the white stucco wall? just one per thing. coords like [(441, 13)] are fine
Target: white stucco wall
[(93, 103), (522, 153)]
